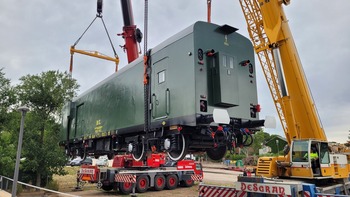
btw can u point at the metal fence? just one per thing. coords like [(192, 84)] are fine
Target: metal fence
[(6, 185)]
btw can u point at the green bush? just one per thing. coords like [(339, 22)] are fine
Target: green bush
[(238, 157), (229, 156), (53, 185)]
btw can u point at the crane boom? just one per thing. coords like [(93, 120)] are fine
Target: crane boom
[(131, 34), (273, 42)]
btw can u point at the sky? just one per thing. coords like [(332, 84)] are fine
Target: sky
[(36, 35)]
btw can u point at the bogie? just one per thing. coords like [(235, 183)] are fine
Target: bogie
[(178, 148), (217, 153)]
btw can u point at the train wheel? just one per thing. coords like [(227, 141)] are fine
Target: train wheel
[(217, 153), (110, 156), (187, 183), (171, 181), (125, 188), (76, 153), (159, 182), (176, 154), (81, 153), (142, 184), (69, 153), (137, 151)]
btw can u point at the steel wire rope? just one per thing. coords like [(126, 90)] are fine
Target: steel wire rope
[(76, 42), (109, 38), (106, 30), (146, 86)]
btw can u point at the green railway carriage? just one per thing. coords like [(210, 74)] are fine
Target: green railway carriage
[(202, 68)]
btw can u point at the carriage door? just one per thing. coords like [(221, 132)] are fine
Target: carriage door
[(79, 121), (160, 91)]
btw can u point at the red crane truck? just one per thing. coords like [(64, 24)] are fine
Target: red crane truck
[(156, 172)]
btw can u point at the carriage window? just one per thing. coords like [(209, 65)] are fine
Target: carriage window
[(161, 77), (231, 62), (224, 63)]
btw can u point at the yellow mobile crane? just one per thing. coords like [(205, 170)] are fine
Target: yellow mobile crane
[(273, 42)]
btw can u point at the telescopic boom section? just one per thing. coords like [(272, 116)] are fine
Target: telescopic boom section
[(273, 42), (129, 31)]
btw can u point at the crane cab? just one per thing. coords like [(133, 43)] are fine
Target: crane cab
[(313, 159), (306, 159)]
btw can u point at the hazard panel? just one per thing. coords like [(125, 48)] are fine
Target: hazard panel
[(211, 191)]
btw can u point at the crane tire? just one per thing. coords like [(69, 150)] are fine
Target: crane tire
[(142, 184), (171, 181), (159, 182)]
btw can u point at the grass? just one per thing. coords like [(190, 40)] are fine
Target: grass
[(69, 181)]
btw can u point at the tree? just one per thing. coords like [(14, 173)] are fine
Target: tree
[(7, 141), (7, 98), (45, 95), (347, 143), (7, 154), (260, 138)]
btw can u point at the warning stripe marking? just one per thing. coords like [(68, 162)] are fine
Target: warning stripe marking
[(196, 177), (212, 191), (125, 178)]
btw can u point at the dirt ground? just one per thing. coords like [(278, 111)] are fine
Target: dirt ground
[(214, 174)]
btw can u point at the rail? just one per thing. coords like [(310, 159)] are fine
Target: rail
[(6, 186)]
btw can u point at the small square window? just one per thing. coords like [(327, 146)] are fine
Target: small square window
[(161, 77)]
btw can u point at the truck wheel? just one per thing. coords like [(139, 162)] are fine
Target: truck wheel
[(159, 182), (217, 153), (125, 188), (171, 181), (142, 184), (187, 183), (107, 187)]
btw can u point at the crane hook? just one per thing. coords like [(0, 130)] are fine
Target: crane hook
[(99, 8)]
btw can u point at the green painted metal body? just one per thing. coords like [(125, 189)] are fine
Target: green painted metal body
[(181, 82)]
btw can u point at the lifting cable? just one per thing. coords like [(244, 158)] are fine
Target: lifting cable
[(145, 27), (145, 35), (146, 76), (95, 53)]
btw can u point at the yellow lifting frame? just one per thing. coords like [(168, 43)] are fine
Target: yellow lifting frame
[(92, 54)]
